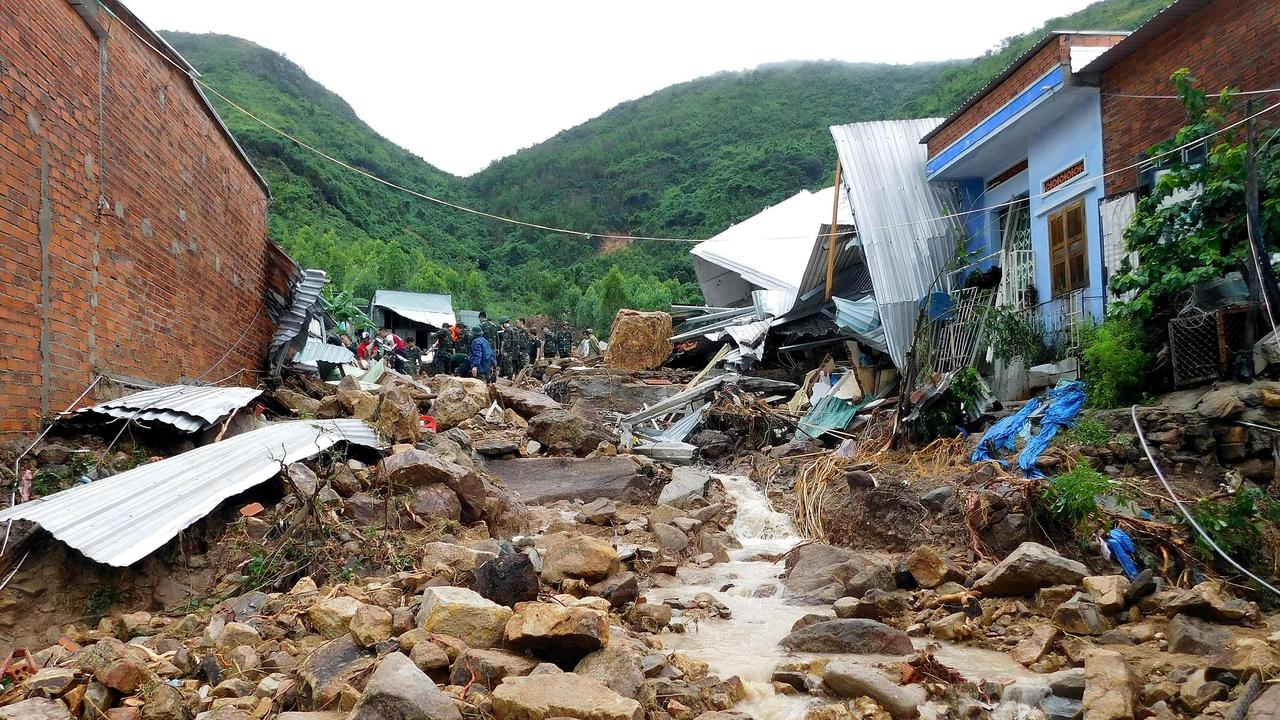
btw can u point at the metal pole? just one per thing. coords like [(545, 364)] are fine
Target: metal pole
[(832, 232)]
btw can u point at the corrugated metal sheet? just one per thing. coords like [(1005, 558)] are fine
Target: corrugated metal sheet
[(905, 238), (861, 318), (189, 408), (306, 298), (123, 518), (469, 318), (426, 308), (319, 350)]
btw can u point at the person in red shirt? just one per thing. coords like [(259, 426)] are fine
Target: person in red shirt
[(393, 347), (364, 350)]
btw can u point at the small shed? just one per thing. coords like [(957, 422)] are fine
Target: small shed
[(411, 315)]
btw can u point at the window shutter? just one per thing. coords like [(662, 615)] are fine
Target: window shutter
[(1057, 253), (1077, 248)]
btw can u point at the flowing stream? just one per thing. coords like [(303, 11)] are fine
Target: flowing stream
[(746, 644)]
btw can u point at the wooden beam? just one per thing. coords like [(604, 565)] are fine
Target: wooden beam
[(831, 235)]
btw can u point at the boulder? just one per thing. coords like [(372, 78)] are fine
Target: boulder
[(816, 573), (618, 665), (851, 680), (399, 690), (507, 579), (332, 617), (686, 484), (1220, 405), (344, 481), (600, 511), (1109, 686), (35, 709), (618, 589), (396, 416), (371, 625), (490, 667), (1028, 568), (543, 480), (435, 501), (1194, 636), (639, 340), (565, 695), (856, 635), (566, 432), (1079, 616), (323, 673), (416, 468), (650, 617), (427, 656), (453, 557), (1036, 645), (560, 634), (578, 556), (301, 478), (930, 569), (526, 403), (459, 400), (1107, 591), (873, 577), (464, 614), (1266, 706), (670, 538)]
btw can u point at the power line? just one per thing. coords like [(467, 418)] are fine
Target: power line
[(1267, 91)]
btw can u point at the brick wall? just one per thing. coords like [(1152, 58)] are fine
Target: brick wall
[(160, 284), (1056, 52), (1227, 43)]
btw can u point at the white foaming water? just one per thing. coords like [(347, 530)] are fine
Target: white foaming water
[(746, 645)]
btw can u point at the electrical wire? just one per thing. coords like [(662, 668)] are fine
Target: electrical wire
[(1142, 438), (1267, 91)]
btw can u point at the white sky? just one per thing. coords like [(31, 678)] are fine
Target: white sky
[(465, 83)]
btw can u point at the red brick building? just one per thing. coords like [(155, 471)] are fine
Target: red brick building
[(1224, 43), (133, 229)]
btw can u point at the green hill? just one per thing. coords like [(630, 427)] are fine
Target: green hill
[(686, 161)]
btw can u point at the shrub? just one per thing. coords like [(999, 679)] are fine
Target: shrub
[(1072, 496), (1115, 361), (1239, 524), (1088, 432)]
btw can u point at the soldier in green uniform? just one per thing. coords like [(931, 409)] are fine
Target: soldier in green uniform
[(564, 340), (412, 358), (522, 342), (488, 329), (444, 350), (504, 348)]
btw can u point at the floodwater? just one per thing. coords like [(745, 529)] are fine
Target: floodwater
[(746, 645)]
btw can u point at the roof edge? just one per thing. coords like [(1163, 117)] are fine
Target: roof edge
[(1154, 27)]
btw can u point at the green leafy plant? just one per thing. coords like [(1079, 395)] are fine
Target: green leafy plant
[(1088, 432), (1072, 496), (1115, 360), (1239, 524), (1016, 333)]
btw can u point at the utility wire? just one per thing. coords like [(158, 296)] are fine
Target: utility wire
[(1179, 97)]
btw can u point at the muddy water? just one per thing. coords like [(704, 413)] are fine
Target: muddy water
[(746, 644)]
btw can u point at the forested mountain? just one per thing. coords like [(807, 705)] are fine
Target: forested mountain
[(686, 161)]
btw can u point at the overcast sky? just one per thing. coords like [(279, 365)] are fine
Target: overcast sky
[(465, 83)]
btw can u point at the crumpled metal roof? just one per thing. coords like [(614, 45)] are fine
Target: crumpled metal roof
[(306, 299), (189, 408), (123, 518), (319, 350), (426, 308), (861, 319), (902, 221)]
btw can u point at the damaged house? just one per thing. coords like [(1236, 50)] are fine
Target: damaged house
[(411, 315), (133, 228)]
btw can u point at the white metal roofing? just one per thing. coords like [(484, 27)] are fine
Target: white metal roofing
[(123, 518), (772, 248), (316, 349), (426, 308), (189, 408), (905, 236)]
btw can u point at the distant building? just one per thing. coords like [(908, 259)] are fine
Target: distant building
[(133, 228), (411, 315), (1022, 152)]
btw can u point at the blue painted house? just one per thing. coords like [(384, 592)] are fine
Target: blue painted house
[(1026, 155)]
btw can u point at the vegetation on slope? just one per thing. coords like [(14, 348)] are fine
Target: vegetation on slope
[(686, 161)]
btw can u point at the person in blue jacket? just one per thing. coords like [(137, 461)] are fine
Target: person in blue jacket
[(483, 359)]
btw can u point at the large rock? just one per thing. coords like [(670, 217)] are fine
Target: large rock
[(930, 569), (1196, 637), (548, 479), (459, 400), (332, 617), (489, 667), (397, 416), (323, 673), (816, 573), (526, 403), (398, 690), (853, 681), (686, 484), (507, 580), (670, 538), (435, 501), (1028, 568), (618, 665), (297, 402), (35, 709), (618, 589), (1080, 616), (1266, 706), (560, 634), (464, 614), (565, 432), (564, 695), (578, 556), (639, 340), (1109, 686), (454, 557), (371, 625), (1036, 645), (416, 468), (872, 577), (1220, 405), (857, 636)]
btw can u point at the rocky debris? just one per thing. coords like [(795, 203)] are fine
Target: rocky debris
[(443, 557), (526, 403), (1206, 600), (639, 340), (857, 636), (398, 689), (489, 667), (563, 635), (564, 695), (930, 569), (435, 501), (396, 415), (332, 617), (1109, 592), (599, 477), (1222, 404), (816, 573), (1194, 636), (1035, 646), (567, 432), (650, 617), (1080, 616), (324, 673), (416, 468), (507, 579), (1028, 568), (852, 681), (619, 589), (459, 400), (686, 484), (600, 511), (619, 665), (35, 709), (371, 625), (873, 577), (1109, 692), (578, 556), (464, 614)]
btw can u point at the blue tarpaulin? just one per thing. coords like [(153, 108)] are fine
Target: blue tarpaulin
[(1122, 549), (1002, 435), (1062, 407)]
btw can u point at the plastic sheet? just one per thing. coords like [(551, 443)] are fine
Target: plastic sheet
[(1124, 552), (1065, 402), (1003, 435)]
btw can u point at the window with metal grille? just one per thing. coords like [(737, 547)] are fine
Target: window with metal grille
[(1068, 249)]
